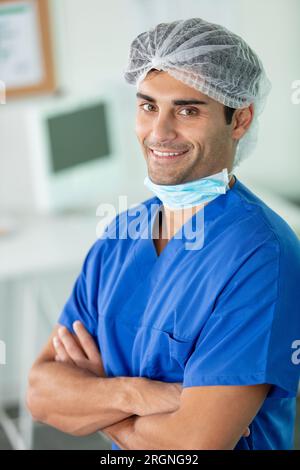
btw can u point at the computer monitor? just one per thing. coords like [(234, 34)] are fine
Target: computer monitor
[(75, 152), (78, 136)]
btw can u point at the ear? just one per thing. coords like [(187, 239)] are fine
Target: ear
[(241, 121)]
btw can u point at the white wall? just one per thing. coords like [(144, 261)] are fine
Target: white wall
[(91, 43), (92, 40), (272, 27)]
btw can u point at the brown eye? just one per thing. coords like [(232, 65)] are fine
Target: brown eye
[(190, 111), (147, 104)]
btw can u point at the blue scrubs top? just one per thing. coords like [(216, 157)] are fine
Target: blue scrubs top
[(227, 313)]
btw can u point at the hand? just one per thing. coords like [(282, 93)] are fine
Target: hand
[(79, 350)]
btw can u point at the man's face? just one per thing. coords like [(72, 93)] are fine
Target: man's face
[(175, 118)]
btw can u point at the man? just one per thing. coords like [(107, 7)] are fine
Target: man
[(170, 341)]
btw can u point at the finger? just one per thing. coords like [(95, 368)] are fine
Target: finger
[(87, 342), (61, 353), (246, 432), (71, 346)]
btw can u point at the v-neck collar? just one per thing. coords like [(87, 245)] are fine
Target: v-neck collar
[(145, 253)]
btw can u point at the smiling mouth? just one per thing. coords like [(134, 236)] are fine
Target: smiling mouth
[(166, 155)]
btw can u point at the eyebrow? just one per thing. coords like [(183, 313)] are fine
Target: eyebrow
[(175, 102)]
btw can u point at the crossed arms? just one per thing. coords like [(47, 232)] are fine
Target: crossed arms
[(68, 389)]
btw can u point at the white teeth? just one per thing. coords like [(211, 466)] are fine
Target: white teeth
[(166, 154)]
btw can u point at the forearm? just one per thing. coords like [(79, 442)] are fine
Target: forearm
[(183, 430), (76, 401)]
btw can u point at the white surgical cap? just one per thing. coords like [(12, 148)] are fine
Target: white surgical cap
[(209, 58)]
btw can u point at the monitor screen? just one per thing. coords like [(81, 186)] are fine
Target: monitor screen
[(78, 137)]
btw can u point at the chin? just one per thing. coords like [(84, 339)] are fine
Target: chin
[(165, 179)]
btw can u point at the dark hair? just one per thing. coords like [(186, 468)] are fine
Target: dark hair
[(228, 114)]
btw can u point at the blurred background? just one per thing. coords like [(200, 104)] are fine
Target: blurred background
[(67, 144)]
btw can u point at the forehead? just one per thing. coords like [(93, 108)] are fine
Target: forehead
[(162, 86)]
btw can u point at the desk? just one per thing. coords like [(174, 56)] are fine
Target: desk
[(40, 245)]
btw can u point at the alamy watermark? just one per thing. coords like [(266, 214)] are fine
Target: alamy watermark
[(296, 353), (139, 221), (2, 353), (295, 97), (2, 92)]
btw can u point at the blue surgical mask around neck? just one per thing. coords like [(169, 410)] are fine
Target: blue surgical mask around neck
[(192, 193)]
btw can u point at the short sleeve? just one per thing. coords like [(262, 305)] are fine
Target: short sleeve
[(248, 337), (82, 302)]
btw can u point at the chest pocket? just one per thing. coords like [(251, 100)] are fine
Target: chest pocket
[(159, 355), (132, 347)]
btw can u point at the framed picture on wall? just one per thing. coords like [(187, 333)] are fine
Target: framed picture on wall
[(26, 62)]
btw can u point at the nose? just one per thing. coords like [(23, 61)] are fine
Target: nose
[(163, 128)]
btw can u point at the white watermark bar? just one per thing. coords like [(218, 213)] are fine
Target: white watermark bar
[(2, 353)]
